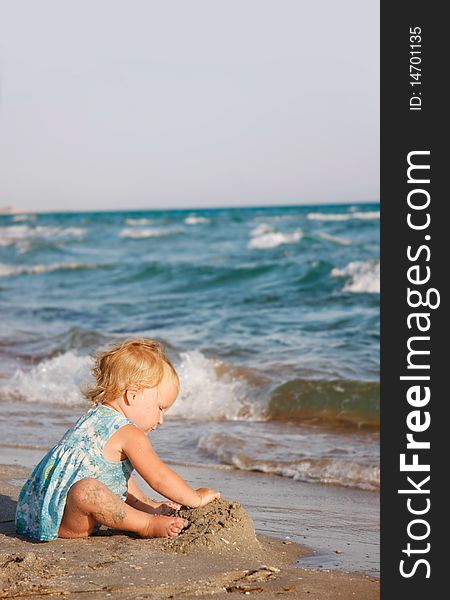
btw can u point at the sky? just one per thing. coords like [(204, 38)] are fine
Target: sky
[(141, 104)]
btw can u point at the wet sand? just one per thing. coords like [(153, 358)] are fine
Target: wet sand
[(218, 556), (339, 525)]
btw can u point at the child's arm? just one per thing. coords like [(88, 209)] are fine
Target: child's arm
[(157, 474), (137, 499), (136, 496)]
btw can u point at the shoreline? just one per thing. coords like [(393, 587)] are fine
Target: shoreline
[(339, 525), (121, 566)]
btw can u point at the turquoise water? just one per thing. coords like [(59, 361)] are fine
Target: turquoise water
[(270, 314)]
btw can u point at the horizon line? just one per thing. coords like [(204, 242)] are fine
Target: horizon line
[(7, 210)]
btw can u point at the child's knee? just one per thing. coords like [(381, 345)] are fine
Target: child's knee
[(84, 490)]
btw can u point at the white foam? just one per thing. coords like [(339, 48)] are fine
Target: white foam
[(195, 220), (204, 395), (72, 231), (374, 214), (333, 238), (146, 232), (329, 471), (363, 276), (276, 218), (25, 217), (139, 221), (264, 236), (56, 381), (23, 235), (368, 215), (261, 230), (9, 270), (336, 471)]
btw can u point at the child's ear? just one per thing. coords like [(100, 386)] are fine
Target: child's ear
[(130, 396)]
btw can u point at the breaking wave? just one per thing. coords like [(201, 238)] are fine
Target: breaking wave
[(24, 235), (362, 276), (335, 239), (208, 393), (331, 470), (56, 380), (265, 236), (336, 403), (24, 217), (214, 390), (208, 390), (369, 215), (146, 233), (133, 222), (10, 270), (195, 220)]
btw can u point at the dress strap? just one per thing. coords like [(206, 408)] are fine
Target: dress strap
[(108, 421)]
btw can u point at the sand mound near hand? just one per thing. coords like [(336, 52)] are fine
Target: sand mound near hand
[(222, 526)]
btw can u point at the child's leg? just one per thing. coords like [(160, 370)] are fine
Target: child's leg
[(89, 502)]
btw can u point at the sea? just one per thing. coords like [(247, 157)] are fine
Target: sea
[(271, 317)]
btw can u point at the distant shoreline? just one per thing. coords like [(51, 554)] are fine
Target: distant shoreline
[(13, 210)]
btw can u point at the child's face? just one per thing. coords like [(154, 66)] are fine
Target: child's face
[(150, 404)]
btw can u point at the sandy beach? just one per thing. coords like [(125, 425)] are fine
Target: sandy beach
[(219, 555)]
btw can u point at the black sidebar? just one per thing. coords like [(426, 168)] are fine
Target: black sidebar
[(415, 361)]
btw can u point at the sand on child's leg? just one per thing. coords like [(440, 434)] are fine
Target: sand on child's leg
[(89, 502)]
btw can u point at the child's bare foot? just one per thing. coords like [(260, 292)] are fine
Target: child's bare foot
[(160, 527)]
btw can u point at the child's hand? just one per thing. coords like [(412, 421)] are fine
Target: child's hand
[(166, 508), (206, 495)]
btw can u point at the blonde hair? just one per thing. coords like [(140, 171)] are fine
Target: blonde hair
[(135, 364)]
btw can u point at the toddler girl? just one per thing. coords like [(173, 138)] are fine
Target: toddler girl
[(84, 481)]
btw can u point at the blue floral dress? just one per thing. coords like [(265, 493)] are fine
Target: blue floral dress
[(78, 455)]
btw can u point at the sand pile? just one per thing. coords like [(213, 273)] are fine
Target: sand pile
[(222, 526)]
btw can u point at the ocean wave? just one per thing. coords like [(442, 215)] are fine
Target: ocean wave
[(363, 276), (326, 470), (368, 215), (32, 350), (146, 233), (261, 230), (56, 380), (336, 403), (10, 270), (24, 217), (276, 218), (195, 220), (139, 221), (264, 236), (24, 235), (333, 238), (208, 391)]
